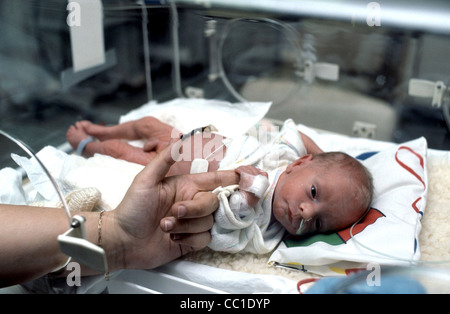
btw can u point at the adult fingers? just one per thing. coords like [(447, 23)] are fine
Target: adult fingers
[(208, 181), (192, 242), (157, 168), (186, 226), (192, 216), (202, 204)]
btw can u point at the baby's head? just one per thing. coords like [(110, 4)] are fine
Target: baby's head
[(322, 193)]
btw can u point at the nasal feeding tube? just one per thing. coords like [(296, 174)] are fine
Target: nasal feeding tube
[(300, 228)]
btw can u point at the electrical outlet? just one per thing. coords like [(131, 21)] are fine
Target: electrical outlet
[(364, 129), (194, 92)]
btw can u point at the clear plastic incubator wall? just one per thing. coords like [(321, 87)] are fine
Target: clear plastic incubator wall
[(358, 76)]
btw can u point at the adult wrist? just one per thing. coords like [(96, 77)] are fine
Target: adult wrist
[(102, 231)]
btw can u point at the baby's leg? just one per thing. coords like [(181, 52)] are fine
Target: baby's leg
[(156, 134), (115, 148), (103, 133), (120, 150), (144, 128), (75, 134)]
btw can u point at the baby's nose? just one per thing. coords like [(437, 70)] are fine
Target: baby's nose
[(306, 210)]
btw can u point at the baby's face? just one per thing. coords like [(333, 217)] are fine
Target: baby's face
[(318, 201)]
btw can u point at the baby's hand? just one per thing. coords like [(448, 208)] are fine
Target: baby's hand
[(253, 183), (250, 170)]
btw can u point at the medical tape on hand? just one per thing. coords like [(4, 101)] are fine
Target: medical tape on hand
[(199, 165), (259, 185)]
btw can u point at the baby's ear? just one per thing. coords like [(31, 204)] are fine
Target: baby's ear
[(298, 162)]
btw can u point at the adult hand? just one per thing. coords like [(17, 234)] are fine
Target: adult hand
[(156, 206)]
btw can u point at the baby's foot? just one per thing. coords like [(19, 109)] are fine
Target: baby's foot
[(100, 132), (75, 134)]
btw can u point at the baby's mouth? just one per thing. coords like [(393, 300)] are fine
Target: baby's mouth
[(293, 218)]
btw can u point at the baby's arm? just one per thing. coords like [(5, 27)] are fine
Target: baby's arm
[(310, 145)]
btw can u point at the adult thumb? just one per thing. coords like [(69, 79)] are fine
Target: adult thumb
[(157, 169)]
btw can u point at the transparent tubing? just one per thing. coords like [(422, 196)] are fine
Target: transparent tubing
[(146, 44), (290, 33), (27, 150), (446, 105), (176, 49), (388, 256)]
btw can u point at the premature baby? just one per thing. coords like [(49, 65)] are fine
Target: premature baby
[(298, 188), (314, 194)]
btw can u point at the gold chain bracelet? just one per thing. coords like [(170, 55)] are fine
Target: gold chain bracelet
[(99, 236), (99, 229)]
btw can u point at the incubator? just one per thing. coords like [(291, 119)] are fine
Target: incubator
[(358, 76)]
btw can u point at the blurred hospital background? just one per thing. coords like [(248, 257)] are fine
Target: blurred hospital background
[(156, 51)]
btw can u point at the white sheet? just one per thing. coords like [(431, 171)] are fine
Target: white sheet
[(230, 281), (231, 119)]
